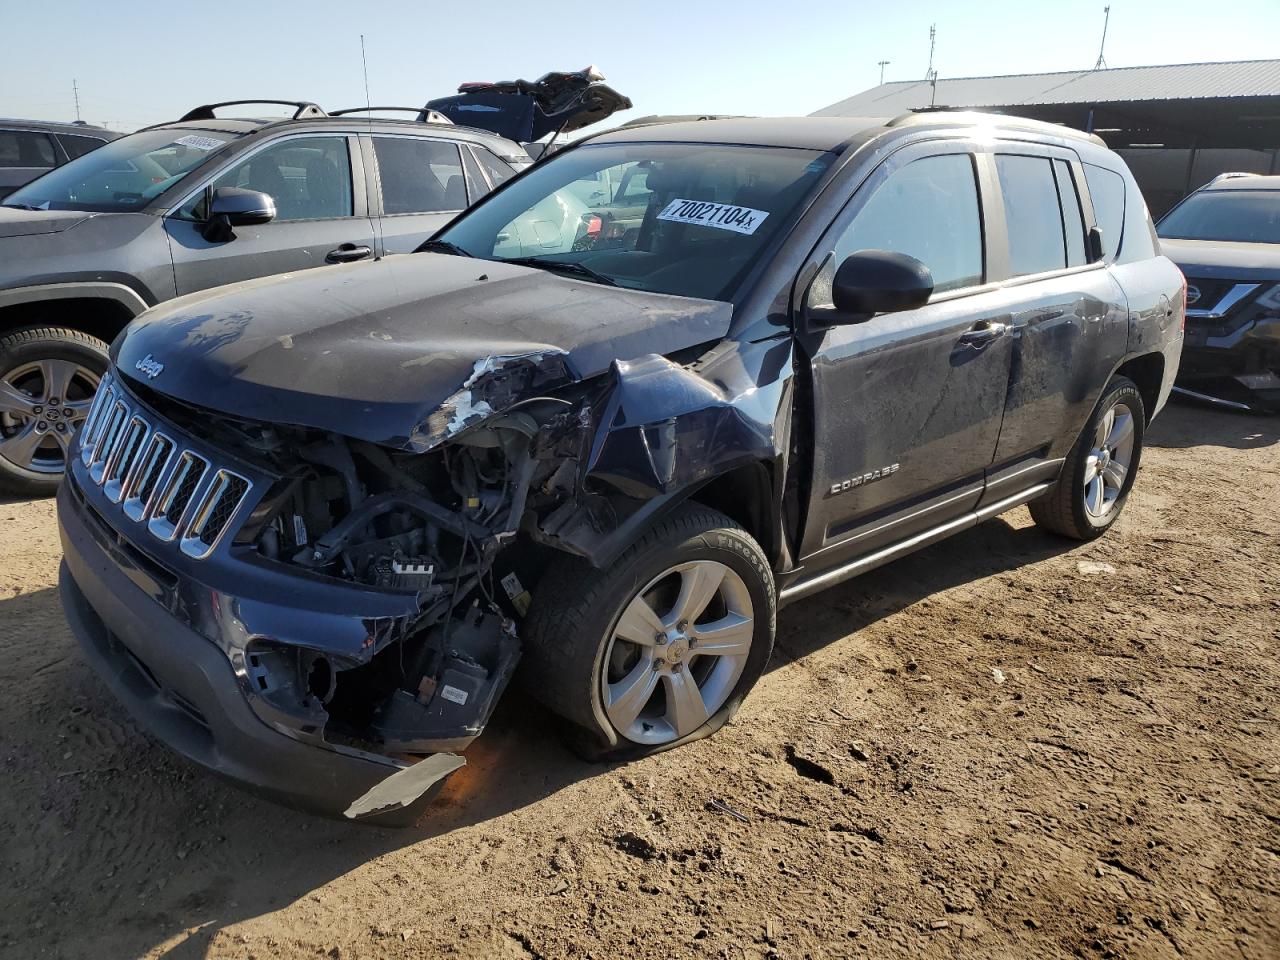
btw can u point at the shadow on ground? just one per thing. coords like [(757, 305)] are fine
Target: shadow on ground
[(1183, 424)]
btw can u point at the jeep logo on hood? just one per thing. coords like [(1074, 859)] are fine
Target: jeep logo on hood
[(150, 366)]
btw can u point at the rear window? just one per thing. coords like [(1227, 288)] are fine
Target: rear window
[(419, 176), (25, 148), (1245, 216), (1032, 213), (1106, 189)]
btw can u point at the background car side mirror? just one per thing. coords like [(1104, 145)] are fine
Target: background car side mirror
[(235, 207), (879, 281)]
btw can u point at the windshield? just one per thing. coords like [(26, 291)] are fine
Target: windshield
[(122, 176), (1245, 216), (685, 219)]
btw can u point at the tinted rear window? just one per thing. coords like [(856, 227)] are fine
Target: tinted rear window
[(77, 146), (24, 148)]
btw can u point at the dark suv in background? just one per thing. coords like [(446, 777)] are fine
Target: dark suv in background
[(315, 521), (31, 148), (1226, 238), (205, 201)]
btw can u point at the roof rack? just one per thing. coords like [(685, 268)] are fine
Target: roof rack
[(305, 109), (1232, 175), (423, 115)]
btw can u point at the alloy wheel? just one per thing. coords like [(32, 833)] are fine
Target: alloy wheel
[(42, 404), (1107, 465), (677, 652)]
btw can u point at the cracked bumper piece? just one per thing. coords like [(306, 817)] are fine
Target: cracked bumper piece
[(182, 690)]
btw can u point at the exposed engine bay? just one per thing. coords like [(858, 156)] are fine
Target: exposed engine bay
[(436, 526)]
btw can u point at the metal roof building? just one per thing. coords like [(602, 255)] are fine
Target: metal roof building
[(1177, 125)]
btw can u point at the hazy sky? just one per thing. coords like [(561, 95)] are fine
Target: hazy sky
[(146, 62)]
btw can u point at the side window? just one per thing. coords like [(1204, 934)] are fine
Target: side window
[(927, 210), (1072, 218), (498, 171), (1106, 190), (1033, 216), (420, 176), (77, 146), (308, 177), (477, 185), (24, 148)]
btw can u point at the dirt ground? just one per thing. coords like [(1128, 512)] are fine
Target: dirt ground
[(1004, 746)]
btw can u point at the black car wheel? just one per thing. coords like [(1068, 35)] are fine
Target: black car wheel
[(1100, 470), (47, 379), (661, 647)]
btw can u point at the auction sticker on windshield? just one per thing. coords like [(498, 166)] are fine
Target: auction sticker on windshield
[(199, 143), (723, 216)]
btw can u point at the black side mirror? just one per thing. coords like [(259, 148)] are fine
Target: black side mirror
[(878, 281), (230, 207)]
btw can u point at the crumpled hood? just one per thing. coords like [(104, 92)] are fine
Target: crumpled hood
[(405, 351), (27, 223), (1223, 260)]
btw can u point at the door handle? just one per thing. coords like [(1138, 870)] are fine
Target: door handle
[(983, 333), (347, 253)]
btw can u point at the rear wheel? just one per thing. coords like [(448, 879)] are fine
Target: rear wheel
[(47, 379), (661, 647), (1100, 470)]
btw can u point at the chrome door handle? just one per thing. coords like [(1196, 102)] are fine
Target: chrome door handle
[(984, 333)]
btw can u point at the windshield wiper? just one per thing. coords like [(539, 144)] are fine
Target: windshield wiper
[(442, 246), (563, 266), (20, 206)]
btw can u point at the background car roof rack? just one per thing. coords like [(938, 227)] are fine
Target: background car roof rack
[(423, 115), (305, 109)]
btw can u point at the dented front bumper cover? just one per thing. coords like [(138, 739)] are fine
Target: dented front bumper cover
[(187, 692)]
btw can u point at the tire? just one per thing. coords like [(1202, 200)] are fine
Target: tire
[(35, 436), (1073, 507), (575, 652)]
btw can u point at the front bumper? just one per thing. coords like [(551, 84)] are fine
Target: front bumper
[(1233, 363), (181, 687)]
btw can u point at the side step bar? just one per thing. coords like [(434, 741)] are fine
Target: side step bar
[(805, 588)]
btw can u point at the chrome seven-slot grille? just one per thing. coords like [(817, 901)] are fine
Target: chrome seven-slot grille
[(176, 493)]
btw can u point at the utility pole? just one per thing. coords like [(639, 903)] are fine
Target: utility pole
[(933, 34), (882, 64), (1106, 19), (75, 90)]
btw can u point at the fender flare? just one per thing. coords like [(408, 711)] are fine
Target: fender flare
[(126, 296)]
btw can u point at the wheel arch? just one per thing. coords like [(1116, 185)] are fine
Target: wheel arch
[(1147, 373), (101, 310)]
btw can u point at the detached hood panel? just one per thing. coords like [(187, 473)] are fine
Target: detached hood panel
[(406, 351), (1221, 260)]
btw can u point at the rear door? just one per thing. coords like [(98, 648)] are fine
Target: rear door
[(24, 155), (907, 405), (420, 186), (317, 182), (1068, 321)]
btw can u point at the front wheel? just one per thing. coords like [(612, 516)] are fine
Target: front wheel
[(47, 379), (1100, 470), (661, 647)]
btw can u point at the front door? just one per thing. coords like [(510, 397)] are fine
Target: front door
[(320, 218), (908, 405)]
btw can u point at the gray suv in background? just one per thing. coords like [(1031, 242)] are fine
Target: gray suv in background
[(198, 203), (31, 148)]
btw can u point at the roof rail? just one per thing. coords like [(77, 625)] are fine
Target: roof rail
[(305, 109), (423, 115), (1232, 175)]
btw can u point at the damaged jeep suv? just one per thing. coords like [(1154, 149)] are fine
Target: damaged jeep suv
[(313, 523)]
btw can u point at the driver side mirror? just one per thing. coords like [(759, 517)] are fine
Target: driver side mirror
[(878, 281), (230, 207)]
